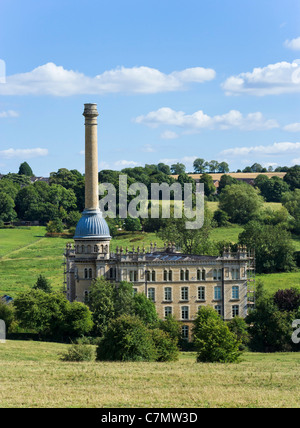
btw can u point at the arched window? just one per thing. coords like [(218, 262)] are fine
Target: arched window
[(203, 275), (90, 273), (170, 275), (165, 275), (182, 275), (187, 275), (85, 273), (153, 276)]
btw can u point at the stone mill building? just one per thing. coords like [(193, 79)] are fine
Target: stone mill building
[(177, 283)]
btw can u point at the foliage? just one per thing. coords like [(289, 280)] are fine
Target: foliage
[(78, 352), (241, 202), (272, 244), (165, 346), (126, 339), (292, 177), (43, 284), (271, 189), (51, 314), (6, 313), (191, 241), (25, 169), (239, 327), (7, 212), (132, 224), (288, 299), (144, 309), (209, 187), (55, 226), (271, 328), (213, 340)]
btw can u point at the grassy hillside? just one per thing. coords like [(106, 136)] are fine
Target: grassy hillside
[(33, 376)]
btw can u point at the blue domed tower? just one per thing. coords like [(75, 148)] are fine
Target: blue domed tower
[(89, 257)]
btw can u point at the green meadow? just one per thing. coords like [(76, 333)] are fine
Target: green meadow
[(33, 376)]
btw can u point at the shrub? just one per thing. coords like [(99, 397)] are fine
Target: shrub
[(166, 347), (214, 342), (79, 352), (127, 339)]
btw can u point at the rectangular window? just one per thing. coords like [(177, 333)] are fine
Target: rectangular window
[(168, 311), (201, 293), (235, 292), (184, 293), (184, 312), (218, 309), (185, 332), (217, 293), (235, 311), (168, 294), (151, 294)]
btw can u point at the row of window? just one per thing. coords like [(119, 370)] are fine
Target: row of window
[(87, 249), (184, 293), (168, 275), (185, 311)]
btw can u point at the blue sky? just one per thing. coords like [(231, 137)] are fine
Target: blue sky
[(173, 80)]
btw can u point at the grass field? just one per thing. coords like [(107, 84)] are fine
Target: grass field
[(33, 376)]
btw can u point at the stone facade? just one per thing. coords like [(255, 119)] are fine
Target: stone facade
[(177, 283)]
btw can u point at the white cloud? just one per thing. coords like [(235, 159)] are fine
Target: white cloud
[(9, 113), (274, 79), (50, 79), (292, 127), (186, 160), (125, 163), (148, 148), (296, 161), (293, 44), (169, 135), (273, 149), (199, 120), (23, 153)]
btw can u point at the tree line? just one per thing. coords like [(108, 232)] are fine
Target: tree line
[(125, 326)]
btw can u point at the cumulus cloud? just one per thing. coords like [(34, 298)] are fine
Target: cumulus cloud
[(293, 44), (272, 149), (50, 79), (274, 79), (23, 153), (292, 127), (199, 120), (169, 135), (125, 163), (9, 113)]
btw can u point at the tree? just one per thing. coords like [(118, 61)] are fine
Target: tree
[(132, 224), (288, 299), (223, 167), (209, 187), (292, 177), (241, 202), (271, 329), (213, 166), (51, 314), (272, 189), (226, 180), (144, 309), (127, 339), (191, 241), (101, 303), (291, 201), (7, 212), (272, 244), (200, 165), (178, 168), (43, 284), (214, 342), (25, 169)]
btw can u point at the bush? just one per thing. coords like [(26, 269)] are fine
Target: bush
[(214, 342), (127, 339), (166, 347), (79, 352)]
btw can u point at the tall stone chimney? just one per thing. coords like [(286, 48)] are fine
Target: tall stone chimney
[(92, 225), (91, 157)]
